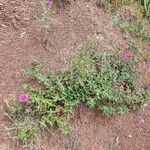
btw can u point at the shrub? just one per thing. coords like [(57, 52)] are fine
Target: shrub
[(108, 82)]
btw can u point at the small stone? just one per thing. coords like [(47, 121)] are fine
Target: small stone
[(22, 34), (130, 136), (117, 140), (145, 104)]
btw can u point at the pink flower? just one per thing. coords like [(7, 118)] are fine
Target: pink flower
[(126, 55), (141, 120), (49, 3), (23, 97)]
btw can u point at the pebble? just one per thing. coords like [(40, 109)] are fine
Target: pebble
[(130, 136), (22, 34)]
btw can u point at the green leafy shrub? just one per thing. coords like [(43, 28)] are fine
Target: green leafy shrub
[(108, 82)]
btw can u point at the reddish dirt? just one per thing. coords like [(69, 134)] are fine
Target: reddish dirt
[(22, 42)]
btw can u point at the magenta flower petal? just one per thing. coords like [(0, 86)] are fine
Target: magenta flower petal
[(23, 97), (126, 55), (49, 3)]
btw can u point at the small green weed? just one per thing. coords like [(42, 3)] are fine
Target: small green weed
[(25, 133), (130, 20), (136, 29), (108, 82), (111, 6), (146, 5), (114, 5)]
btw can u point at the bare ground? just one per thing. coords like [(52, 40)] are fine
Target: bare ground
[(22, 40)]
